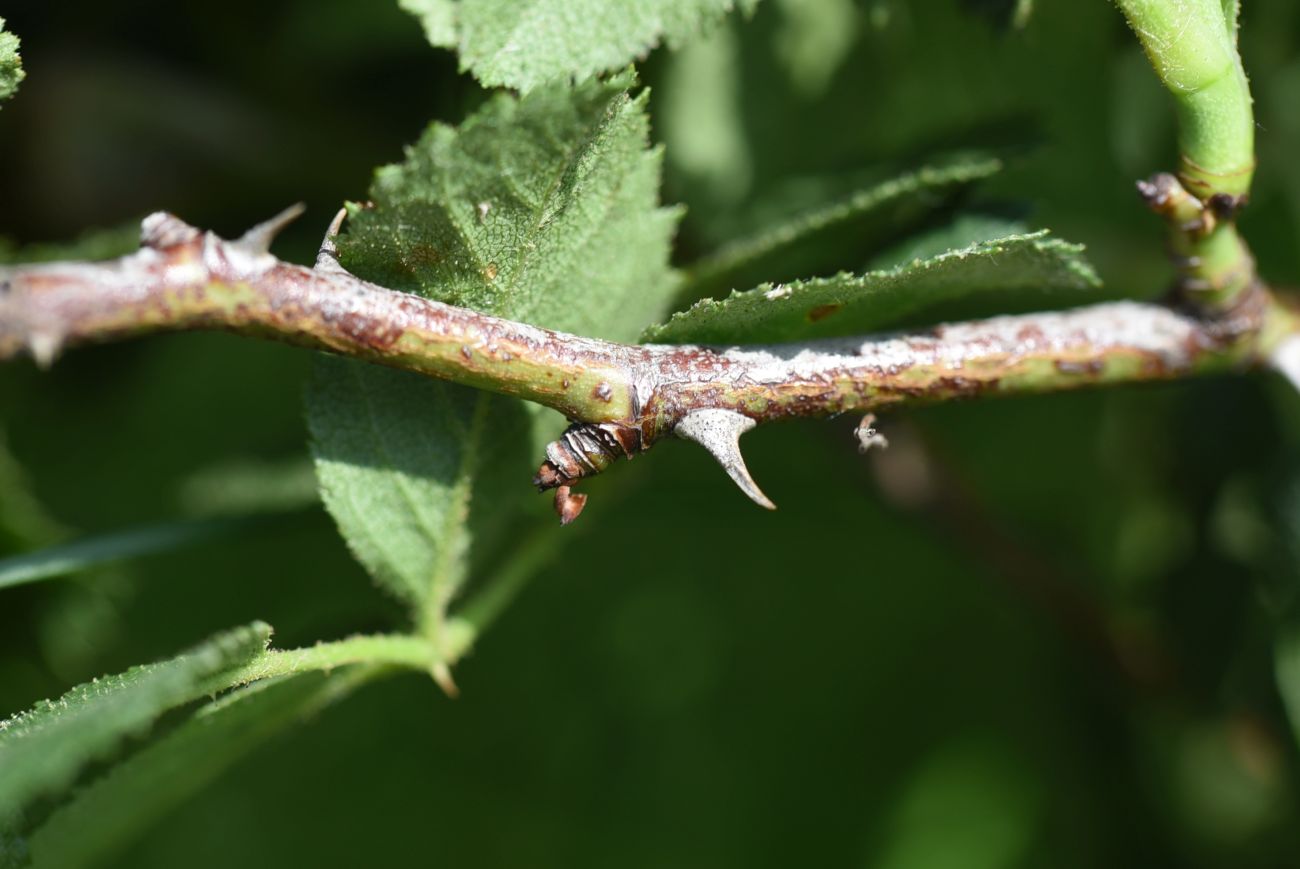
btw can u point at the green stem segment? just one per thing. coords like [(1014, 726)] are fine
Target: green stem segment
[(1192, 46)]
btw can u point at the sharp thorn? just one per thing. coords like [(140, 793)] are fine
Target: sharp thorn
[(441, 674), (258, 239), (1286, 359), (327, 258), (162, 230), (719, 431), (45, 347)]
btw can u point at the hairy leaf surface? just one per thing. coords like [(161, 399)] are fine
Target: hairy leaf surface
[(850, 304), (111, 812), (43, 750), (859, 221), (526, 43), (11, 65), (543, 209)]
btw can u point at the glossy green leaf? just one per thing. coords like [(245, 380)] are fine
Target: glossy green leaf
[(11, 64), (526, 43), (43, 750), (851, 304), (542, 208)]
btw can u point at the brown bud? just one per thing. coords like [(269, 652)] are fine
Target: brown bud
[(568, 504)]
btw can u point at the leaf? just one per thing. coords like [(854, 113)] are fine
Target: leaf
[(438, 18), (24, 521), (814, 40), (856, 222), (11, 64), (962, 231), (850, 304), (698, 119), (982, 797), (543, 209), (399, 458), (93, 244), (523, 44), (1005, 14), (43, 750), (88, 552), (114, 810)]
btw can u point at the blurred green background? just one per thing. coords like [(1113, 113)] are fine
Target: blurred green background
[(1035, 632)]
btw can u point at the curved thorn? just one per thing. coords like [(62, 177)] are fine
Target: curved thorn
[(258, 239), (327, 257), (719, 431), (441, 674), (1286, 359), (162, 230)]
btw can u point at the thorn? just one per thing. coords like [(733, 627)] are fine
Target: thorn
[(1286, 360), (719, 431), (258, 239), (327, 257), (568, 504), (441, 674), (162, 230), (867, 435), (45, 348)]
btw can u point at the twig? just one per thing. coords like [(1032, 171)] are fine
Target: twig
[(622, 398)]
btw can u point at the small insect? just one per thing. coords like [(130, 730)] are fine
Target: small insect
[(867, 435)]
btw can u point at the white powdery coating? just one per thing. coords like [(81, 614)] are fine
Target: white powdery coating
[(1100, 328)]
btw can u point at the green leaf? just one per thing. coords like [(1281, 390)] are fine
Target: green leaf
[(856, 222), (400, 459), (11, 64), (698, 118), (1004, 13), (114, 810), (542, 208), (982, 797), (93, 244), (96, 551), (42, 751), (851, 304), (962, 231), (523, 44), (438, 18), (814, 39), (24, 521)]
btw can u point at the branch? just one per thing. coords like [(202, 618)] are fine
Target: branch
[(622, 398), (1193, 46)]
